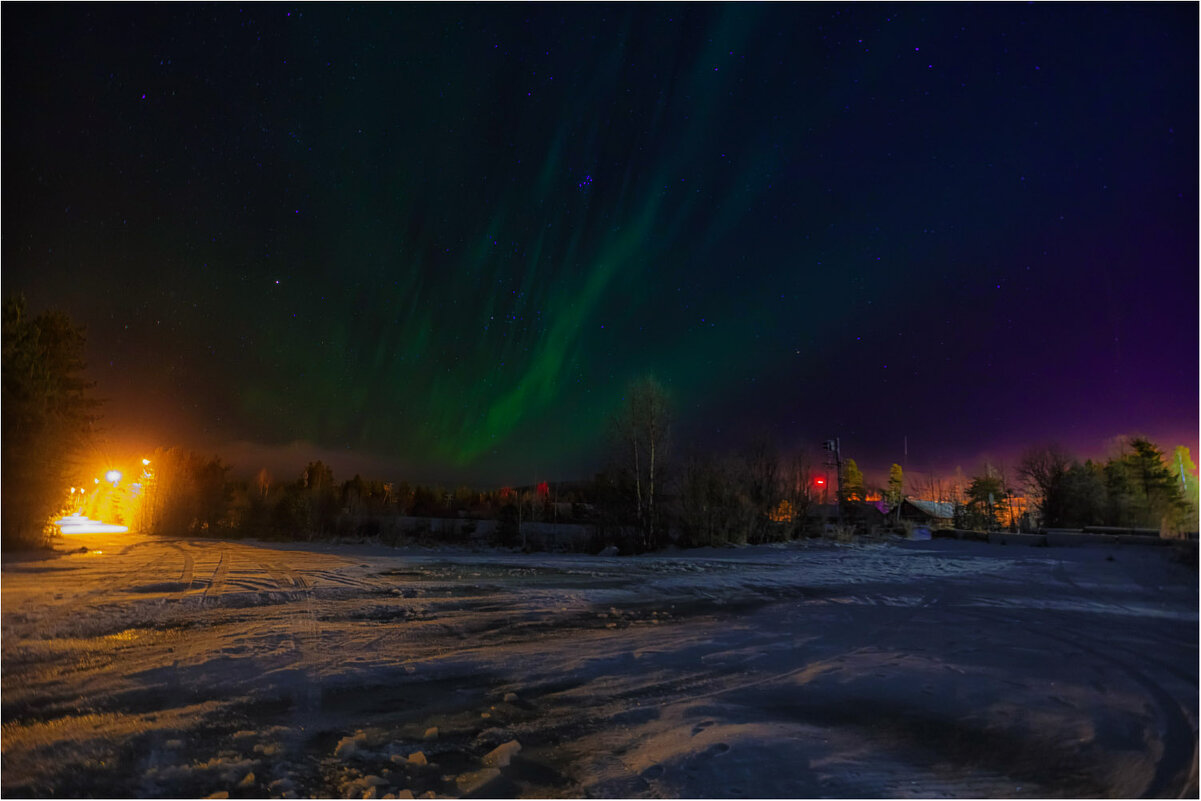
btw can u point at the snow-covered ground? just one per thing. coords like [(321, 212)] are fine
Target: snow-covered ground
[(153, 667)]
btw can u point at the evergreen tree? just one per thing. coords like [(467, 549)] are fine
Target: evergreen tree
[(986, 495), (1082, 496), (852, 488), (1143, 491), (895, 493), (47, 414), (320, 496)]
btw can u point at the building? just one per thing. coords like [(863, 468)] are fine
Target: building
[(940, 514)]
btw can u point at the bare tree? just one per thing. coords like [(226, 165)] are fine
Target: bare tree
[(708, 500), (642, 429), (1043, 470), (800, 489), (761, 486)]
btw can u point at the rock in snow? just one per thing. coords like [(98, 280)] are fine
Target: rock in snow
[(280, 786), (499, 756), (431, 733), (348, 745), (470, 782)]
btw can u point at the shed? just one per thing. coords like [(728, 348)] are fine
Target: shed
[(931, 513)]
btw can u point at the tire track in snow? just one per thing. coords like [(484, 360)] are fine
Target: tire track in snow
[(120, 580), (220, 574), (304, 631), (187, 574), (1177, 764)]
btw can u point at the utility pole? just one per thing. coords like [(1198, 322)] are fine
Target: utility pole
[(835, 449)]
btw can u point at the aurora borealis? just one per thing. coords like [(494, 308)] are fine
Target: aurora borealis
[(439, 239)]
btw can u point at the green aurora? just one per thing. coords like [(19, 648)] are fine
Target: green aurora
[(442, 239)]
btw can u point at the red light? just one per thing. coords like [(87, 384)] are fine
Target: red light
[(819, 481)]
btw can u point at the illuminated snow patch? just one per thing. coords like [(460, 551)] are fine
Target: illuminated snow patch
[(78, 524)]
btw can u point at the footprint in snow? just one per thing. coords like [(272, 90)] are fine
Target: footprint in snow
[(700, 727)]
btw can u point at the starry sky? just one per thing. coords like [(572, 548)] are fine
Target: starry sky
[(437, 241)]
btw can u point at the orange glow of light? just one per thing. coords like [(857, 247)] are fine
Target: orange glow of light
[(783, 513)]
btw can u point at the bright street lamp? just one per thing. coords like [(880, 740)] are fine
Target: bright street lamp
[(112, 476)]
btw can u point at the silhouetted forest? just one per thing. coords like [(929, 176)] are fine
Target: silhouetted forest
[(647, 495)]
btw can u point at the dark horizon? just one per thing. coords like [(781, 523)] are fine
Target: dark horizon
[(436, 242)]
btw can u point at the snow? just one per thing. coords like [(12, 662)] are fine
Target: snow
[(502, 755), (190, 667)]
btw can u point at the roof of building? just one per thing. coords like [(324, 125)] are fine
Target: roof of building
[(941, 509)]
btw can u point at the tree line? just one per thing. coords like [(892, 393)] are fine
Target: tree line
[(647, 495), (188, 493), (1138, 487)]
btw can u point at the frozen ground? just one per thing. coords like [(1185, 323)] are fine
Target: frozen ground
[(149, 667)]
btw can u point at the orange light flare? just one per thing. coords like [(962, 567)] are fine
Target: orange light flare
[(113, 504)]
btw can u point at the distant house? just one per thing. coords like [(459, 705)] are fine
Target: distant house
[(929, 513), (853, 513), (823, 512)]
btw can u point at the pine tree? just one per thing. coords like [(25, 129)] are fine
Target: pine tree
[(48, 415), (985, 496), (896, 489), (1142, 490), (852, 481)]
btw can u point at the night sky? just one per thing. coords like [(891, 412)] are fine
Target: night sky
[(436, 242)]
